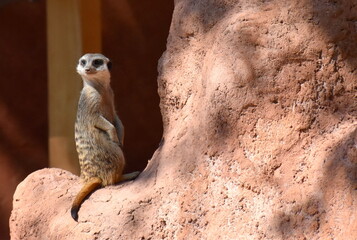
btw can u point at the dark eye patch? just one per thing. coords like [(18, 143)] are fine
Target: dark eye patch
[(83, 62), (97, 62), (109, 65)]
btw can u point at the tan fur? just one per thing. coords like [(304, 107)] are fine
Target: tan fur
[(99, 133)]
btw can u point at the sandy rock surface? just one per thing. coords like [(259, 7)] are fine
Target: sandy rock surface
[(260, 134)]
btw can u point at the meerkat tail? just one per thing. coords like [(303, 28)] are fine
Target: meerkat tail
[(88, 188)]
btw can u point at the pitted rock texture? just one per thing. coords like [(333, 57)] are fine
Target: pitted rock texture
[(259, 107)]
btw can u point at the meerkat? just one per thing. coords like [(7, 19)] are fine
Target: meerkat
[(99, 133)]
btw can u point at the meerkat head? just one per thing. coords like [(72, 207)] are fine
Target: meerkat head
[(94, 66)]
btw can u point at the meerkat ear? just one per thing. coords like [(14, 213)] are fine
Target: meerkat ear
[(109, 65)]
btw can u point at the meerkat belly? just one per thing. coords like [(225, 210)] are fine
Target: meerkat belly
[(98, 155)]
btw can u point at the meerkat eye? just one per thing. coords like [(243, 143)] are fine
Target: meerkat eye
[(83, 62), (97, 62)]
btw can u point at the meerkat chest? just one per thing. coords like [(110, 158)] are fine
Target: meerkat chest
[(92, 105), (88, 105)]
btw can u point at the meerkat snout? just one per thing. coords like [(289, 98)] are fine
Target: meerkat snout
[(90, 70)]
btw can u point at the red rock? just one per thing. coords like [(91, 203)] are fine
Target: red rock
[(259, 111)]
